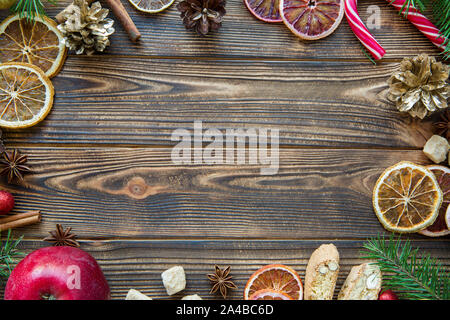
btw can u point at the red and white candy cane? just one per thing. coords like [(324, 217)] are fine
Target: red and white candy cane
[(413, 15), (360, 30)]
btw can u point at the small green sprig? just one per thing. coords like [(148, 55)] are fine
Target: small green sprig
[(30, 9), (8, 253), (407, 274)]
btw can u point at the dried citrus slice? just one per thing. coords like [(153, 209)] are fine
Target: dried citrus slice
[(39, 43), (26, 95), (269, 294), (407, 197), (312, 19), (151, 6), (265, 10), (439, 228), (275, 277)]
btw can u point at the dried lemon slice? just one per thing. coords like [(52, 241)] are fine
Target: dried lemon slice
[(151, 6), (39, 43), (407, 197), (26, 95)]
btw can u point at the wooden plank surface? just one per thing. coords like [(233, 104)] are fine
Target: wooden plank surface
[(117, 101), (139, 193), (139, 264)]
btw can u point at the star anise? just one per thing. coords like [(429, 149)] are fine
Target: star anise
[(61, 237), (202, 15), (13, 165), (443, 126), (221, 281)]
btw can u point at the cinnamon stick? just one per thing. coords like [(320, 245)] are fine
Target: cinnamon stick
[(121, 14), (20, 220)]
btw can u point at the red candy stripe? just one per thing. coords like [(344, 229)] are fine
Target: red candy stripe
[(421, 22), (360, 30), (413, 15)]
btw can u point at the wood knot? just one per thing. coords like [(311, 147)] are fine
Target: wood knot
[(130, 184), (137, 187)]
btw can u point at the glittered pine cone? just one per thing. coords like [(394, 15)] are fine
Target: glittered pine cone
[(203, 16), (420, 86), (86, 29)]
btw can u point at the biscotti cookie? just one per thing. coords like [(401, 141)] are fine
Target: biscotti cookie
[(321, 273), (362, 283)]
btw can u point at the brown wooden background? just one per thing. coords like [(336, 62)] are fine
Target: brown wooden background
[(102, 162)]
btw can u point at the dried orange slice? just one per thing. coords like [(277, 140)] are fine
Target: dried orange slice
[(312, 19), (269, 294), (439, 228), (39, 43), (276, 277), (265, 10), (26, 95), (151, 6), (407, 197)]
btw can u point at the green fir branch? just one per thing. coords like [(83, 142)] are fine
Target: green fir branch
[(405, 272), (440, 16), (30, 9), (8, 253)]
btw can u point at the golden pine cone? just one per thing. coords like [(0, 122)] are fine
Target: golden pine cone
[(420, 86)]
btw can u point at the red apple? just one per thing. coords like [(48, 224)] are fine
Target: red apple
[(388, 295), (6, 202), (57, 273)]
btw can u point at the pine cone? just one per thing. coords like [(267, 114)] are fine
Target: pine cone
[(202, 15), (86, 29), (420, 86)]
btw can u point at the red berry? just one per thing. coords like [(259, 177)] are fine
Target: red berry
[(6, 202), (388, 295)]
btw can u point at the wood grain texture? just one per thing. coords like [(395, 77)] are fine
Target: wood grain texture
[(243, 36), (140, 193), (140, 102), (139, 264), (102, 163)]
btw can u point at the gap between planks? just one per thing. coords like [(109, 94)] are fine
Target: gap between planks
[(64, 145), (244, 58)]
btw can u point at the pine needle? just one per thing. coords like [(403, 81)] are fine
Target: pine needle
[(8, 253), (30, 9), (418, 4), (364, 50), (405, 272)]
